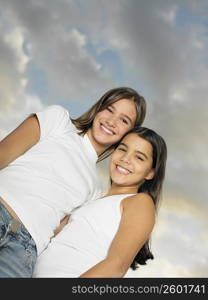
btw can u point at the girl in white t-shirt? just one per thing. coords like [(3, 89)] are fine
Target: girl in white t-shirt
[(105, 237), (48, 168)]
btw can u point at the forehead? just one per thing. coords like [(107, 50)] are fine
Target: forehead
[(137, 143), (126, 106)]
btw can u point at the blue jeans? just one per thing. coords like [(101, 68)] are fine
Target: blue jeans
[(18, 252)]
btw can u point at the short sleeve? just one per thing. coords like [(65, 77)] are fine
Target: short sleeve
[(54, 120)]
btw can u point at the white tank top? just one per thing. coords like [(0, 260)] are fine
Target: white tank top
[(84, 241)]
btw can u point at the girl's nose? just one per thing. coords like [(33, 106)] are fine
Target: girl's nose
[(126, 158), (112, 122)]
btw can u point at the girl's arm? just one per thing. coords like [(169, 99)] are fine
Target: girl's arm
[(19, 140), (137, 221)]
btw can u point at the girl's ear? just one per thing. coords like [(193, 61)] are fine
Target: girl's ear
[(150, 175)]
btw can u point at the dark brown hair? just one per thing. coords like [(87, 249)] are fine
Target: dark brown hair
[(153, 186)]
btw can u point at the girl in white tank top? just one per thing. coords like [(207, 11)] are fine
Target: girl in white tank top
[(107, 236)]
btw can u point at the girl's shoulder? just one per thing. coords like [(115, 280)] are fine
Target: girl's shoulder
[(139, 200), (138, 211)]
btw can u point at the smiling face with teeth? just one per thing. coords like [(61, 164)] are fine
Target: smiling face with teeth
[(131, 164), (112, 123)]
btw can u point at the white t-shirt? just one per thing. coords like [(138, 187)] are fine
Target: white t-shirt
[(53, 177), (84, 241)]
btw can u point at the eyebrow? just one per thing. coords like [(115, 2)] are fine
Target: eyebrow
[(122, 144), (142, 153), (130, 120)]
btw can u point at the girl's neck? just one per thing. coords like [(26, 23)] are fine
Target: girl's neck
[(98, 147), (117, 190)]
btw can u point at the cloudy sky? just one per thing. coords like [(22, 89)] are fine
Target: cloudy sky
[(69, 52)]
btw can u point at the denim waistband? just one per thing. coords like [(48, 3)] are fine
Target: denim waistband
[(15, 224)]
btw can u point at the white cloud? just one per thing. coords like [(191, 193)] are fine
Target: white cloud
[(12, 81), (15, 40), (58, 48), (169, 14)]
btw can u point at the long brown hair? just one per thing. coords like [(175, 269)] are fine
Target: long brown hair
[(85, 121), (153, 187)]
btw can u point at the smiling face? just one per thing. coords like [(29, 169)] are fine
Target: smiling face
[(111, 124), (131, 163)]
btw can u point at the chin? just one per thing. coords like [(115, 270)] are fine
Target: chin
[(119, 181), (104, 141)]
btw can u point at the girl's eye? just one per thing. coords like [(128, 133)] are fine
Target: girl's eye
[(109, 109), (140, 158), (121, 149), (125, 121)]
